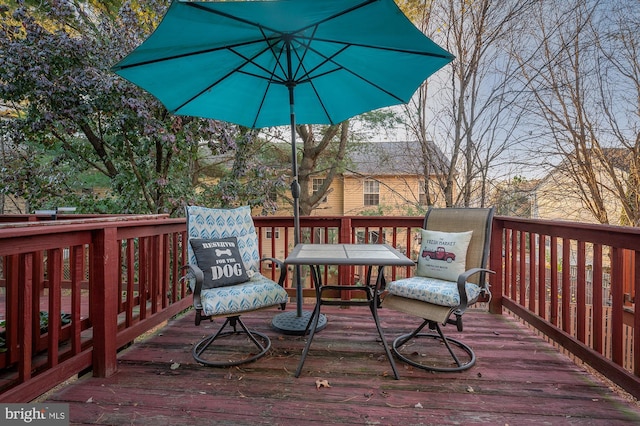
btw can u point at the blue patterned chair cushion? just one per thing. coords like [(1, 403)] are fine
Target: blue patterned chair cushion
[(259, 292), (206, 223), (432, 290)]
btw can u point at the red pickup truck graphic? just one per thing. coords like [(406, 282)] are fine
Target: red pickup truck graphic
[(439, 254)]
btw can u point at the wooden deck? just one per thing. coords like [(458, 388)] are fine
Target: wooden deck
[(518, 379)]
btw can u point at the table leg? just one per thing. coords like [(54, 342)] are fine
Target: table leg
[(373, 301), (374, 312), (315, 270)]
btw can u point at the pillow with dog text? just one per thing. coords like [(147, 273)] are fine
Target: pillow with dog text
[(220, 262), (443, 255)]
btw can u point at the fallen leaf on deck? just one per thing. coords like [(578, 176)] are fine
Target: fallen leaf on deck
[(175, 366), (90, 400), (470, 389), (418, 405), (322, 384)]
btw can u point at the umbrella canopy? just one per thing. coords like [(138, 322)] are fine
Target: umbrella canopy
[(275, 62), (236, 61)]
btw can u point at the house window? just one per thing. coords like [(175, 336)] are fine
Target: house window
[(317, 184), (371, 193), (270, 232)]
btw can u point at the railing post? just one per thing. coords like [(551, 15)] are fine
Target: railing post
[(104, 301), (495, 264), (345, 230)]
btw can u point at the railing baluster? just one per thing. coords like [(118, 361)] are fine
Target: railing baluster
[(522, 290), (23, 341), (514, 264), (554, 281), (617, 304), (76, 265), (532, 272), (542, 277), (581, 297), (566, 285), (597, 298), (131, 281), (54, 275), (636, 318)]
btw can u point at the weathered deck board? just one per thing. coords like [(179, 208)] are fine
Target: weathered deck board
[(518, 379)]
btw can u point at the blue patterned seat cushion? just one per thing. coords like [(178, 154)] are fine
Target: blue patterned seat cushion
[(432, 290), (259, 292)]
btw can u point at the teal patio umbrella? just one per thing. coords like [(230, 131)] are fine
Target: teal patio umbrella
[(281, 62)]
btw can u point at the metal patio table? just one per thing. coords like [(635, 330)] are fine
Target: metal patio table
[(370, 255)]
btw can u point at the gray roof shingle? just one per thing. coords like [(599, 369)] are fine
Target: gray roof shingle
[(394, 158)]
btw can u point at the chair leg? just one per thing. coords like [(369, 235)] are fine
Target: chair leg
[(260, 340), (376, 318), (469, 361)]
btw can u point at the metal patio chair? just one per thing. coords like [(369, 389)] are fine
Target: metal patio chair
[(224, 274), (450, 276)]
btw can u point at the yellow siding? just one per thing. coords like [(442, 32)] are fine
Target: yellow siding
[(335, 200), (557, 198)]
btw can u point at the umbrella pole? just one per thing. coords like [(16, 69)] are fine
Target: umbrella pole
[(287, 322), (295, 193)]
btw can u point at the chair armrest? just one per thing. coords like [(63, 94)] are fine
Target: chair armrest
[(283, 269), (462, 290), (198, 275)]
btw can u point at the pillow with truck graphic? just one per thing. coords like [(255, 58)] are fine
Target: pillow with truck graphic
[(443, 254), (220, 262)]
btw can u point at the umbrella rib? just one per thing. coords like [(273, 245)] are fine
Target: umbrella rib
[(377, 47), (231, 72), (276, 56), (264, 96), (331, 59), (270, 74), (186, 55), (255, 24)]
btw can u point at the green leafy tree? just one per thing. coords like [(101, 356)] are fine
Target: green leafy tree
[(74, 124)]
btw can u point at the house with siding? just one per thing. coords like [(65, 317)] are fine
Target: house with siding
[(558, 196), (386, 178)]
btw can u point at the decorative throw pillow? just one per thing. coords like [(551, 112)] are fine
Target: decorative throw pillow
[(443, 254), (220, 261)]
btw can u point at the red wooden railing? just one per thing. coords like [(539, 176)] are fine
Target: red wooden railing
[(117, 277), (113, 279), (576, 284)]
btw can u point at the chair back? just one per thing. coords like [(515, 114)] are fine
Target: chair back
[(204, 222), (478, 220)]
